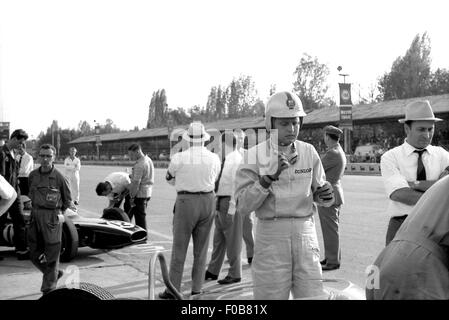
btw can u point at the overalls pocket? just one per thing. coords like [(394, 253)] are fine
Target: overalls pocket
[(47, 197)]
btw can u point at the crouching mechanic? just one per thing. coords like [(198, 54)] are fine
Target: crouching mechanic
[(50, 196), (282, 180), (116, 188)]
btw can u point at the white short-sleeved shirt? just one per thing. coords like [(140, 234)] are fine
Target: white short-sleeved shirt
[(399, 166), (195, 170), (26, 164), (119, 182)]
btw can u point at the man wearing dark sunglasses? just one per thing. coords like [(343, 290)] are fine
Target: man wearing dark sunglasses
[(50, 197)]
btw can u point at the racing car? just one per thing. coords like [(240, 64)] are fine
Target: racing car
[(113, 230)]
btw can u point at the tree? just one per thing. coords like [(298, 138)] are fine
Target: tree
[(233, 99), (179, 116), (211, 105), (310, 84), (157, 111), (410, 75), (439, 81), (84, 128)]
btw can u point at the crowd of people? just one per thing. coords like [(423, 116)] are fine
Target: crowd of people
[(282, 181)]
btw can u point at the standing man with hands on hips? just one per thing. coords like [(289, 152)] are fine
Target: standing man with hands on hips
[(283, 181)]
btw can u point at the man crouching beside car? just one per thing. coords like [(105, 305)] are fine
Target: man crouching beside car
[(50, 196)]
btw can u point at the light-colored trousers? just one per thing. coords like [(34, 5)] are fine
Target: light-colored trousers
[(227, 240), (74, 182), (193, 217), (330, 220), (286, 260)]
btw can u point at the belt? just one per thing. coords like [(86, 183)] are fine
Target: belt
[(283, 217), (199, 192)]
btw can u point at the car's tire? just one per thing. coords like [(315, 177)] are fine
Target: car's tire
[(115, 214), (84, 292), (69, 241)]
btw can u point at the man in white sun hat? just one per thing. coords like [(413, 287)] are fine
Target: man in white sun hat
[(193, 172), (283, 181), (411, 168)]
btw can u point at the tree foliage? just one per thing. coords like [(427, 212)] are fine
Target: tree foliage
[(311, 82), (157, 111), (410, 75)]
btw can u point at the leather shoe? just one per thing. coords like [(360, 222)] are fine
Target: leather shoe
[(210, 275), (229, 280), (166, 295), (323, 262), (196, 292), (250, 260), (330, 266)]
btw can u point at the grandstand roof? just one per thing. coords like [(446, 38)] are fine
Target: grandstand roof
[(380, 110)]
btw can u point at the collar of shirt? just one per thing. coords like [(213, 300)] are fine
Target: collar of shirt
[(409, 149)]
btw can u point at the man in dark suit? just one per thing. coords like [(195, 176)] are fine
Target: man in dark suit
[(334, 163)]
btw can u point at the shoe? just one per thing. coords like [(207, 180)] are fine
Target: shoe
[(250, 260), (330, 266), (196, 292), (229, 280), (210, 275), (76, 203), (323, 262), (166, 295), (60, 274), (23, 255)]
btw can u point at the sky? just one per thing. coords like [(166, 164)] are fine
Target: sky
[(94, 60)]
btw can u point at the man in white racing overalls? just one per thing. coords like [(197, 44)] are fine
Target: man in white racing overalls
[(50, 196), (282, 180)]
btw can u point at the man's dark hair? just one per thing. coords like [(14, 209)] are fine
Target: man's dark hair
[(134, 147), (101, 187), (333, 136), (19, 134), (48, 146), (409, 123)]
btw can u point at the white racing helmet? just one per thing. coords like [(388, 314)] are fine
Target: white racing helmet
[(283, 104)]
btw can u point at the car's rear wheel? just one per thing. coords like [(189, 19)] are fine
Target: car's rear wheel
[(115, 214), (69, 243)]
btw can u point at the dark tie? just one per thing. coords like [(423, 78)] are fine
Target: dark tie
[(421, 171), (20, 161), (219, 176)]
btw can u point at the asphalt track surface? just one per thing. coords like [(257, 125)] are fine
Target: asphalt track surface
[(124, 272)]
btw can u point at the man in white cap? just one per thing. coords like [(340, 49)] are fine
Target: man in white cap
[(411, 168), (283, 180), (193, 172), (334, 163)]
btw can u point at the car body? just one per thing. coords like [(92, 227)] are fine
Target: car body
[(78, 231)]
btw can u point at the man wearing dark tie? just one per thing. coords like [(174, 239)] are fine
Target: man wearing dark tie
[(413, 167), (334, 163)]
